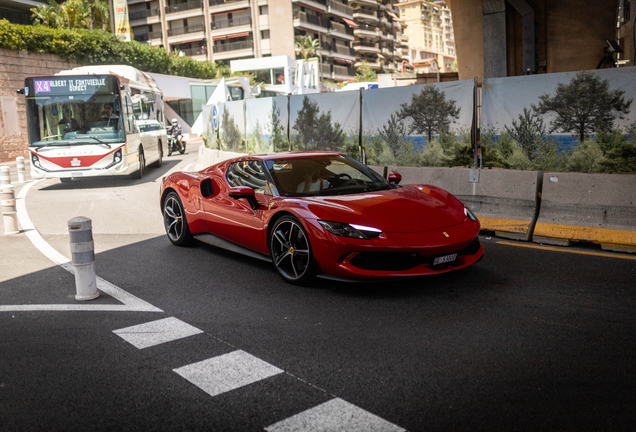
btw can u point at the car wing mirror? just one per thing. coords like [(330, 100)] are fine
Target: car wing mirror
[(245, 192), (395, 178)]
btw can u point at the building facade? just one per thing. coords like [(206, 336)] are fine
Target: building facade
[(429, 30), (348, 32)]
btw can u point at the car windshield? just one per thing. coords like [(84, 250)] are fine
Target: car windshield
[(323, 175), (73, 110)]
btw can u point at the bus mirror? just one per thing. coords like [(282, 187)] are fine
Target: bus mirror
[(122, 87)]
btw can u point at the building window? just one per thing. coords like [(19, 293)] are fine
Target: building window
[(264, 34), (262, 10)]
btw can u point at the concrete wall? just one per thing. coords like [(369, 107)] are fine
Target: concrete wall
[(15, 66), (570, 35), (281, 28)]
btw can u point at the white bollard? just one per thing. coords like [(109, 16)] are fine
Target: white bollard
[(83, 257), (5, 176), (20, 165), (9, 214)]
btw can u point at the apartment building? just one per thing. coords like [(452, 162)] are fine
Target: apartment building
[(222, 30), (429, 30)]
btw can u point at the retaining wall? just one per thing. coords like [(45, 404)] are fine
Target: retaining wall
[(15, 66)]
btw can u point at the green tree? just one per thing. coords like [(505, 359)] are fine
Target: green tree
[(306, 46), (278, 141), (316, 131), (584, 106), (231, 133), (430, 112), (393, 133), (364, 73), (528, 133)]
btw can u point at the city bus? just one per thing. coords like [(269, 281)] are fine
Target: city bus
[(94, 121)]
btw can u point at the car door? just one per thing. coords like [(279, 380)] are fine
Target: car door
[(234, 219)]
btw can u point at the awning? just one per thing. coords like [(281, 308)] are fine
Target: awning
[(235, 35), (219, 37), (186, 41), (343, 60), (392, 15), (352, 24)]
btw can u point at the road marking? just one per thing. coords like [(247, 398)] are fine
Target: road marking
[(157, 332), (130, 302), (334, 415), (556, 249), (227, 372)]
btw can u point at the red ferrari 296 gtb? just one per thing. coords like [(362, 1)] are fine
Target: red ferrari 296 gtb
[(321, 213)]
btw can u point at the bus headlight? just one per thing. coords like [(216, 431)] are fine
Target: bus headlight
[(117, 157), (35, 160)]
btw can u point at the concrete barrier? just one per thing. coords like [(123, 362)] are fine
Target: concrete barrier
[(207, 157), (597, 208), (505, 201)]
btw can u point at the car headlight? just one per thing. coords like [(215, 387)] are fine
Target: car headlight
[(350, 230), (469, 213)]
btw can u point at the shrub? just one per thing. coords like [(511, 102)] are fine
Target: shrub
[(96, 47)]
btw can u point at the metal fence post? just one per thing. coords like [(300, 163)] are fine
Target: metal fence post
[(9, 215), (83, 257)]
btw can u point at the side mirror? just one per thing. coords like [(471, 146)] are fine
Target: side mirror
[(395, 178), (244, 192)]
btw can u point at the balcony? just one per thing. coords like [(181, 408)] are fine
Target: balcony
[(336, 50), (185, 30), (145, 37), (235, 22), (365, 2), (220, 6), (343, 72), (321, 5), (234, 46), (142, 15), (367, 31), (319, 24), (191, 52), (341, 31), (361, 46), (182, 7), (340, 9), (365, 15)]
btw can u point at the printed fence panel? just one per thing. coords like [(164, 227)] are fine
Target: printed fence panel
[(232, 126), (266, 123), (420, 125), (207, 130), (326, 121), (572, 121)]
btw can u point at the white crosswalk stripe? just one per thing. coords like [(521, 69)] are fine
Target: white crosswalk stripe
[(157, 332), (227, 372), (334, 415)]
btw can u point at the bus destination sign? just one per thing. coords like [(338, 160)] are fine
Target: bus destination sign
[(71, 85)]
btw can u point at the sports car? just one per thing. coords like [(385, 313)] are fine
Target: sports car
[(321, 214)]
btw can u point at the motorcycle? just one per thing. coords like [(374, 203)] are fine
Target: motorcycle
[(173, 144)]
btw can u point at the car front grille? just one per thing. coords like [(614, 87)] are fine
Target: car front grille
[(400, 261)]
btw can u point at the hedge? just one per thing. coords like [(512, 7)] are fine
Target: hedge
[(95, 47)]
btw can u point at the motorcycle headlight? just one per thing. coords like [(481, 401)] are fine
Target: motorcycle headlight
[(350, 230), (469, 214)]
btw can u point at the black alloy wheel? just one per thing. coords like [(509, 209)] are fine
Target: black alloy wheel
[(175, 222), (291, 251), (170, 144), (182, 149)]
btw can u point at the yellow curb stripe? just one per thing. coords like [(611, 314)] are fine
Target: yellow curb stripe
[(508, 225), (555, 249), (597, 235)]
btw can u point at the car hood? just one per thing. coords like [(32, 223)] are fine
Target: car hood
[(412, 208)]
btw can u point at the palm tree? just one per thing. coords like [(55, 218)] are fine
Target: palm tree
[(306, 46)]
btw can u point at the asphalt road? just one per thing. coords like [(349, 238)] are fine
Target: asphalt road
[(528, 339)]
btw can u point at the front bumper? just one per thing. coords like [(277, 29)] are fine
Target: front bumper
[(396, 255)]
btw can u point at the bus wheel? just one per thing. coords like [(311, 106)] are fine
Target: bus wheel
[(160, 160), (142, 165)]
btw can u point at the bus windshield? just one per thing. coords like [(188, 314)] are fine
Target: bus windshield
[(72, 110)]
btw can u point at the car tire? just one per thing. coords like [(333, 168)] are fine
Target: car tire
[(291, 251), (175, 221), (142, 165)]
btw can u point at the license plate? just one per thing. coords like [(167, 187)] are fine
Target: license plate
[(77, 174), (444, 259)]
